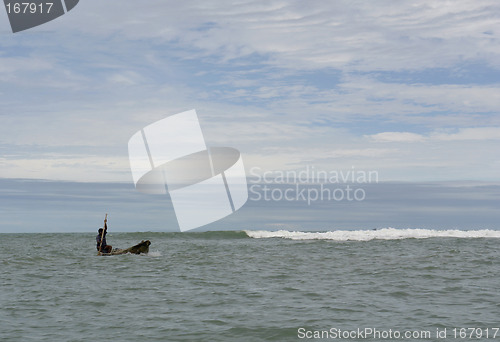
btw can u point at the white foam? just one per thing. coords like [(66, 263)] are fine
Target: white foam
[(154, 254), (367, 235)]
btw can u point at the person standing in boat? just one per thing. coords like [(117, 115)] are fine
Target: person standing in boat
[(102, 246)]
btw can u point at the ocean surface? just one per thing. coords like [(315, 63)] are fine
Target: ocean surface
[(379, 285)]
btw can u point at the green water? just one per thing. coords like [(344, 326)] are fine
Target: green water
[(230, 287)]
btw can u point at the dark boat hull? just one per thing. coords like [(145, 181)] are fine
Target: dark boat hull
[(140, 248)]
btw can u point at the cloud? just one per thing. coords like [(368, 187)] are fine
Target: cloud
[(477, 133), (463, 134), (397, 137), (67, 168), (125, 79), (345, 34), (10, 65), (287, 83)]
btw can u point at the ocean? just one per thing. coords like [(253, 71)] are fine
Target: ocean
[(378, 285)]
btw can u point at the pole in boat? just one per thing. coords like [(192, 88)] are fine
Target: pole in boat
[(102, 234)]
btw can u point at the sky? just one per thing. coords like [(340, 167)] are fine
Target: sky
[(409, 89), (34, 206)]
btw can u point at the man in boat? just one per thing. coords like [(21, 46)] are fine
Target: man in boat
[(102, 246)]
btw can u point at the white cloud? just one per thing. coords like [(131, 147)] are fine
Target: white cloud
[(397, 137), (85, 168), (463, 134), (10, 65), (125, 79), (97, 75), (361, 35), (476, 133)]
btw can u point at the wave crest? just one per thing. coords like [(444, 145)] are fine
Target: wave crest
[(367, 235)]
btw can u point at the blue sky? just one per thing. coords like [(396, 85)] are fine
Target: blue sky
[(409, 89)]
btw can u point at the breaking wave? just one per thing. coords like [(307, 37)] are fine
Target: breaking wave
[(154, 254), (367, 235)]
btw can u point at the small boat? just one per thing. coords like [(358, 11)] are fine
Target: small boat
[(140, 248)]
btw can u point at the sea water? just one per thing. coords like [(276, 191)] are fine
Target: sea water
[(374, 285)]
